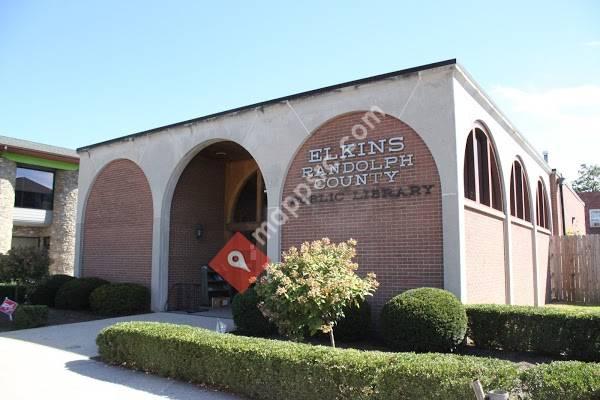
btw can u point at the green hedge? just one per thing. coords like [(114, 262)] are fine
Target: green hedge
[(424, 319), (8, 290), (120, 299), (356, 324), (270, 369), (544, 330), (75, 294), (564, 380), (248, 319), (27, 316), (45, 292)]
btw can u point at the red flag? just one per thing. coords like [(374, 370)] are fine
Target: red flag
[(239, 262)]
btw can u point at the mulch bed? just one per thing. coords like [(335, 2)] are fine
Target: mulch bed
[(56, 317)]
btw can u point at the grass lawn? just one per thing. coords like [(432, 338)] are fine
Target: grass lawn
[(576, 309)]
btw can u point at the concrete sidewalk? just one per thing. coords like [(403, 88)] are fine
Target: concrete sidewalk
[(54, 363)]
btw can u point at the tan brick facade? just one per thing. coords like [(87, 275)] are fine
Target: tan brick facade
[(522, 265), (117, 236), (485, 261), (543, 252), (399, 235)]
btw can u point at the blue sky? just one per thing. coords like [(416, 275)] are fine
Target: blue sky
[(77, 72)]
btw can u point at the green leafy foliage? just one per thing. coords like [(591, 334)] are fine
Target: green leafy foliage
[(264, 369), (588, 180), (248, 319), (544, 330), (27, 316), (424, 319), (45, 292), (564, 380), (75, 294), (310, 289), (10, 290), (120, 299), (25, 266), (356, 323)]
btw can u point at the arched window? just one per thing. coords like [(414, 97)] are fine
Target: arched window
[(482, 181), (541, 206), (519, 193)]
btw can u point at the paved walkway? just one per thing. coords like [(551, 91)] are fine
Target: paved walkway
[(54, 363)]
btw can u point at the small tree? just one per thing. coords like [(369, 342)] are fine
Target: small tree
[(588, 180), (310, 289), (24, 266)]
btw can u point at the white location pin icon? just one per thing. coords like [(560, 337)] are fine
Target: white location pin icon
[(235, 259)]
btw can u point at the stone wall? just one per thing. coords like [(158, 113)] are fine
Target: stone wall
[(62, 230), (8, 171)]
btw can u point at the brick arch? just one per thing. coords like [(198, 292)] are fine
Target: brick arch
[(117, 230), (399, 234)]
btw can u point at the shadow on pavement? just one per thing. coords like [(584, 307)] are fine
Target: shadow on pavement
[(165, 388)]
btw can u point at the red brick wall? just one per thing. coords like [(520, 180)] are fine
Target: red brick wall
[(522, 265), (117, 236), (198, 199), (400, 239), (592, 201), (485, 270)]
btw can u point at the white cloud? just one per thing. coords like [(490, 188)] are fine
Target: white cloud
[(593, 43), (563, 121)]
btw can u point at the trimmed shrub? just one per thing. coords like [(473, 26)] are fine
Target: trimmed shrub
[(27, 316), (45, 292), (564, 380), (266, 369), (248, 319), (424, 319), (8, 290), (544, 330), (75, 294), (356, 323), (120, 299)]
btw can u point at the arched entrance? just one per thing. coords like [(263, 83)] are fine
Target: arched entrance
[(220, 192)]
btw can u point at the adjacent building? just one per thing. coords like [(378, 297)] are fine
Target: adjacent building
[(592, 212), (419, 166), (38, 199)]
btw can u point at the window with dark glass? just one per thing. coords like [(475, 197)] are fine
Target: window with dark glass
[(34, 188), (481, 179), (541, 206), (519, 193)]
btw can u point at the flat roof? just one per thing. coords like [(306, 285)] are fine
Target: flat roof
[(278, 100), (41, 150)]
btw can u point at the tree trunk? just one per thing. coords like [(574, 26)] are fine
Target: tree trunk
[(332, 337)]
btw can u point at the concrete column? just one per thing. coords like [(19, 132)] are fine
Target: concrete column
[(8, 173), (62, 230), (160, 263)]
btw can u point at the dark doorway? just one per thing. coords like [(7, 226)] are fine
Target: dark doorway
[(220, 192)]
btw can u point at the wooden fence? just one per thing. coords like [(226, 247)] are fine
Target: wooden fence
[(575, 269)]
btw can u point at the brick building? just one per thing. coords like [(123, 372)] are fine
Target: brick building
[(592, 212), (38, 199), (419, 166)]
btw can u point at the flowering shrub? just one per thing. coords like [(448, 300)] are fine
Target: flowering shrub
[(310, 289)]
